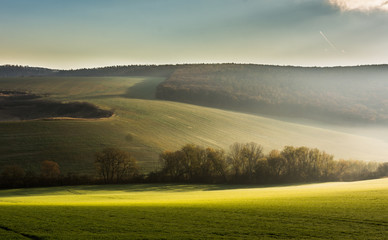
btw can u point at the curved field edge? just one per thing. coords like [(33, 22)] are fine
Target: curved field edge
[(183, 194), (145, 126), (353, 210)]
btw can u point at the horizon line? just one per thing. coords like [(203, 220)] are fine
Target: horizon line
[(194, 63)]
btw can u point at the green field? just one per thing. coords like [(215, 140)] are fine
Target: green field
[(356, 210), (146, 126)]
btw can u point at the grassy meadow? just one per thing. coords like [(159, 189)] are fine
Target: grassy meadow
[(146, 126), (346, 210)]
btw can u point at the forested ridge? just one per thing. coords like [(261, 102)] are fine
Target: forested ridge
[(22, 71), (336, 94), (129, 70)]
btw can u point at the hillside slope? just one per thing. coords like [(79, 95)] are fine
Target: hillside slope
[(146, 126), (340, 95)]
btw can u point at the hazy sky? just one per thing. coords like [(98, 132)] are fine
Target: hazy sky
[(86, 33)]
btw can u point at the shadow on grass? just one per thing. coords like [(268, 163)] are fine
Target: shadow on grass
[(162, 187), (142, 90)]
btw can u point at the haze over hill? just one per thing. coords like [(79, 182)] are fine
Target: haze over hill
[(145, 126), (338, 95), (341, 95)]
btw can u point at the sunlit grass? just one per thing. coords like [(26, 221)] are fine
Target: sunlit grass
[(356, 210), (181, 194)]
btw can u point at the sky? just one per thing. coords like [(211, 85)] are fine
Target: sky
[(67, 34)]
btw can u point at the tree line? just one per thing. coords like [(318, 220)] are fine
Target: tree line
[(244, 163), (247, 163), (112, 165), (25, 105), (125, 70)]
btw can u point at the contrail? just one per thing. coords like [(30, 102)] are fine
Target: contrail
[(328, 41)]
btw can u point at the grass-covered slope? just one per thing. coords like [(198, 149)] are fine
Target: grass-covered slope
[(356, 210), (345, 95), (146, 126)]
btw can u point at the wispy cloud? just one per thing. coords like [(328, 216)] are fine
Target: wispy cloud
[(360, 5)]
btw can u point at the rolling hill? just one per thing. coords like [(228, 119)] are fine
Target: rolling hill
[(336, 95), (145, 126)]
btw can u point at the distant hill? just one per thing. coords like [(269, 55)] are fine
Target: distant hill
[(130, 70), (337, 94), (24, 71), (340, 95)]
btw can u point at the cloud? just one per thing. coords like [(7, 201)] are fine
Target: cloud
[(361, 5)]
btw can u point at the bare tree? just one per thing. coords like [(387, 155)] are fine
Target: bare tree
[(277, 164), (115, 165), (173, 165), (50, 170), (217, 162), (12, 176), (243, 159)]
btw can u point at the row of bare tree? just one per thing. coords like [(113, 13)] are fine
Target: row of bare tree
[(247, 163), (115, 166), (14, 175), (112, 165), (244, 163)]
